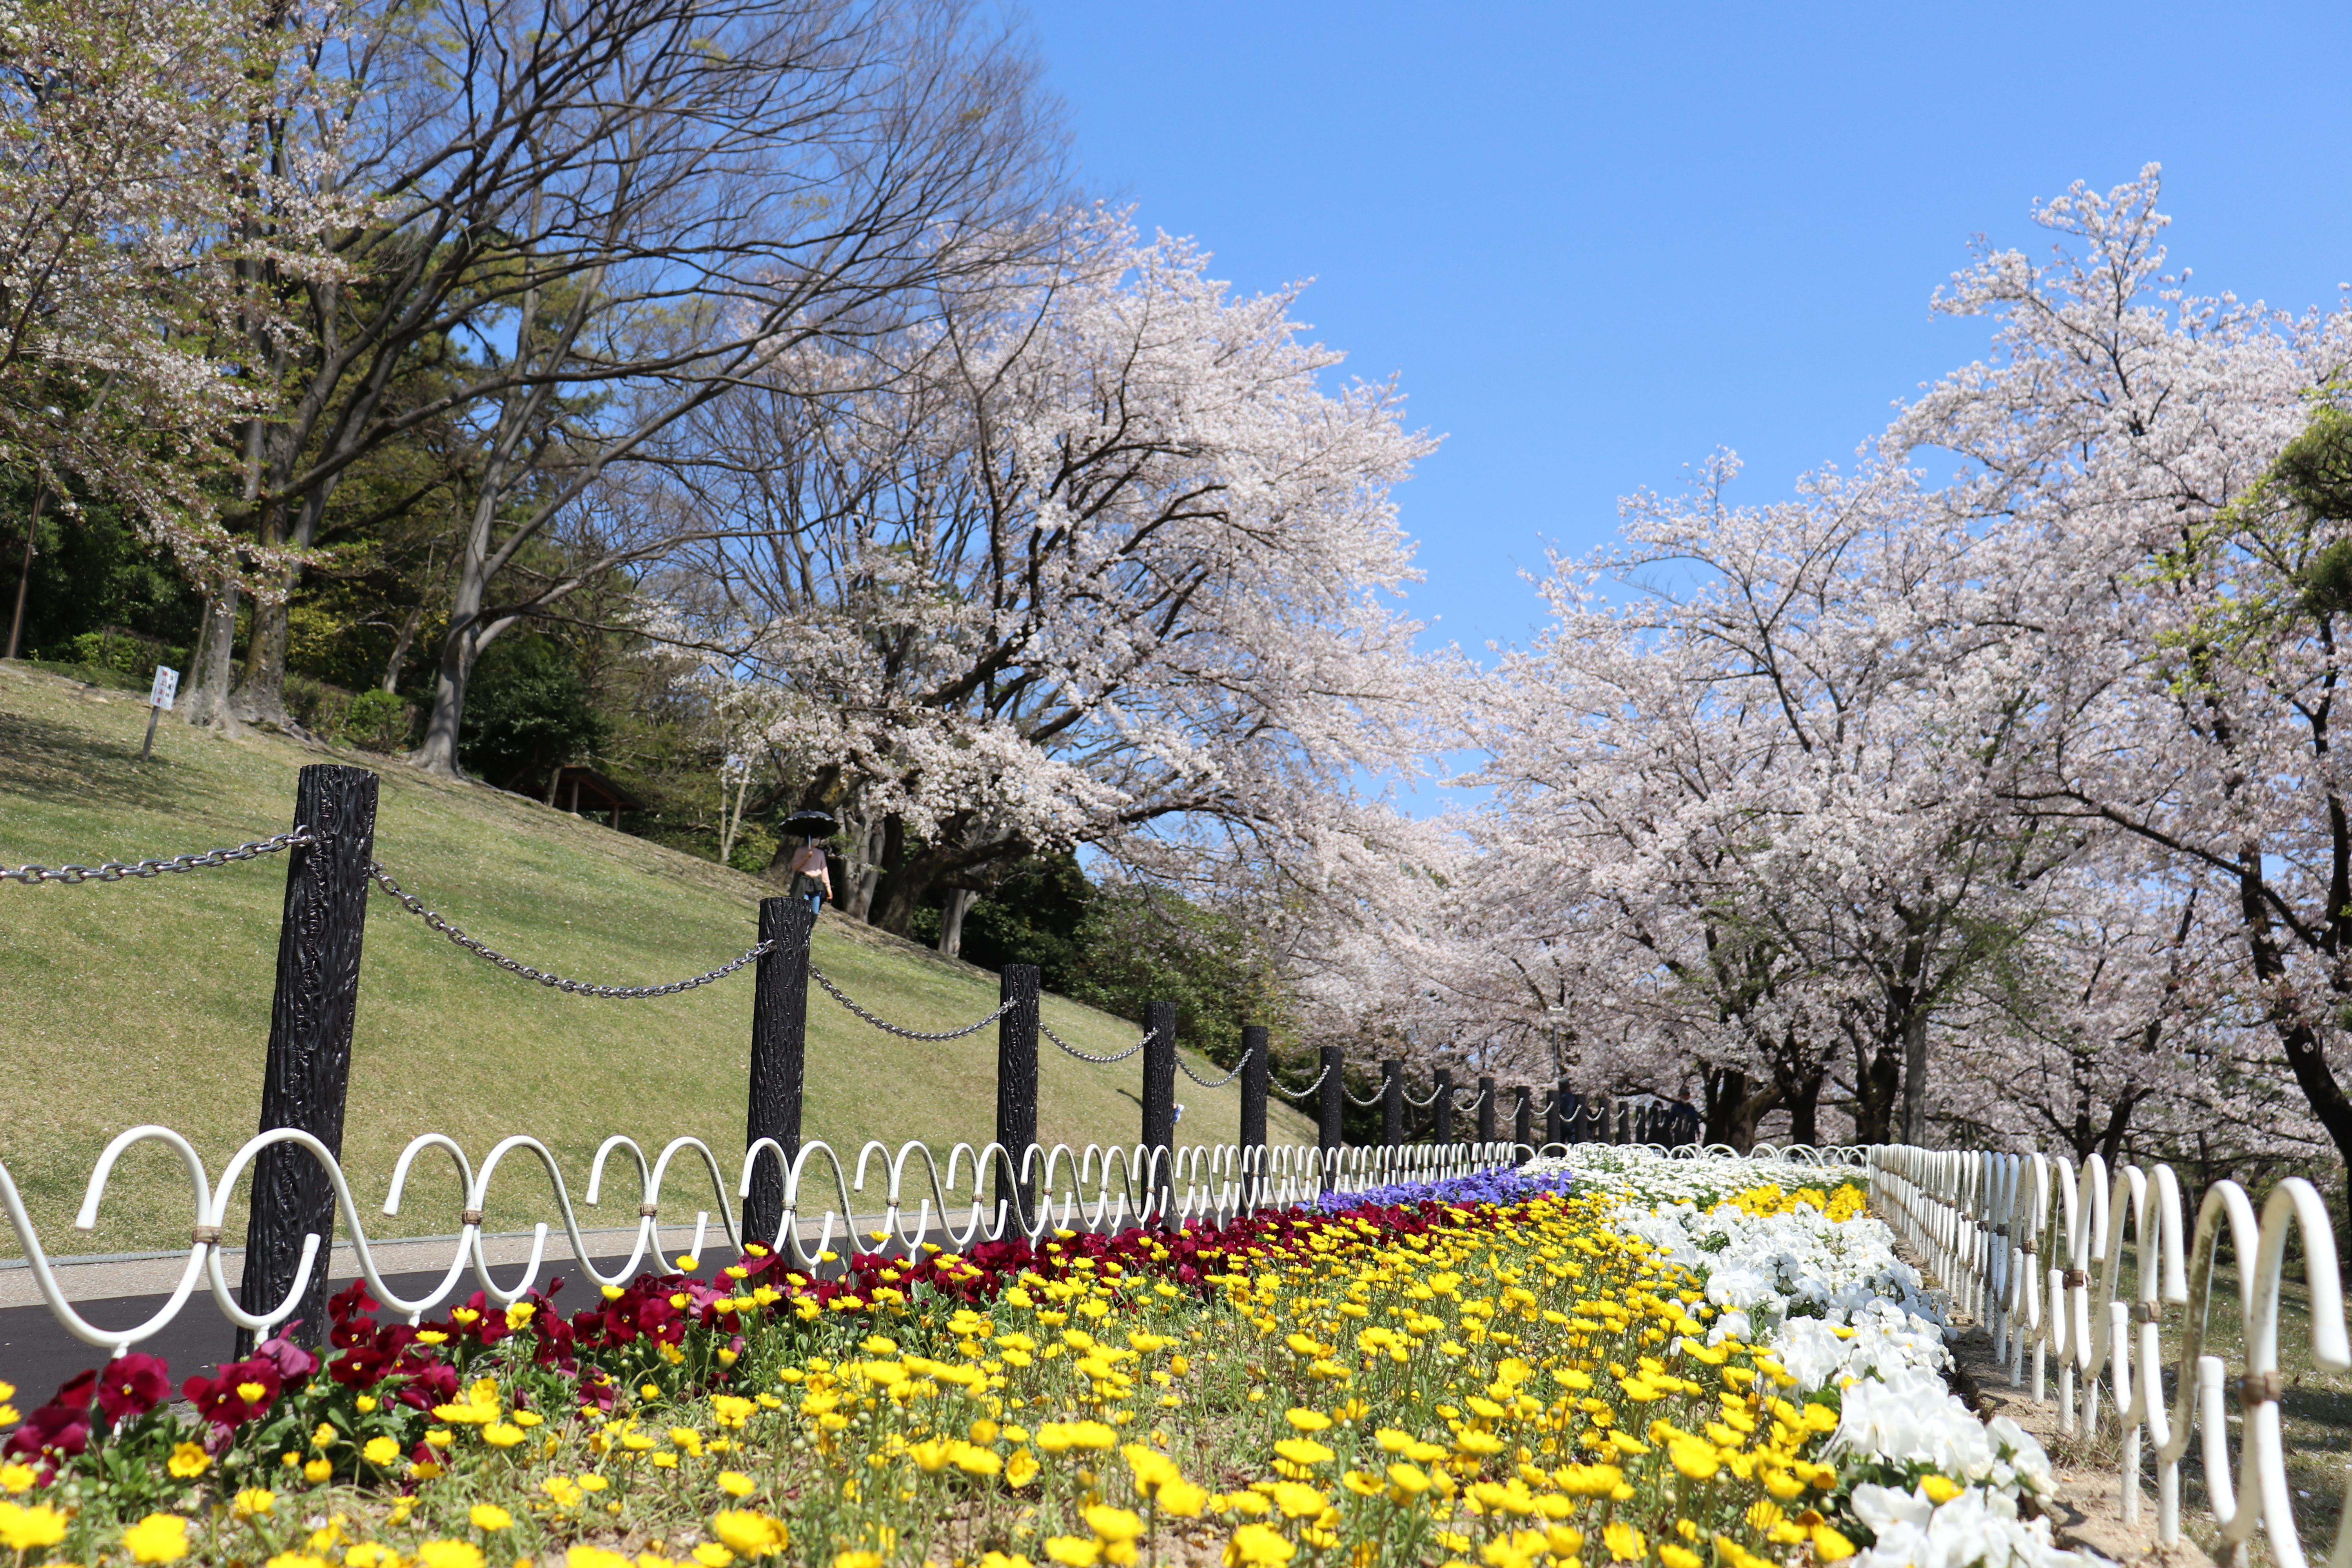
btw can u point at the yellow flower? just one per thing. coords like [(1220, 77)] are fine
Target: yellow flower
[(1625, 1543), (1181, 1499), (735, 1483), (380, 1451), (1409, 1479), (1298, 1501), (1113, 1523), (1308, 1420), (709, 1555), (1258, 1546), (489, 1516), (317, 1470), (858, 1559), (158, 1538), (187, 1462), (1072, 1551), (252, 1502), (749, 1532), (1830, 1546), (501, 1435), (595, 1557), (449, 1554), (1940, 1488), (1303, 1451), (1693, 1456), (296, 1560), (1674, 1556)]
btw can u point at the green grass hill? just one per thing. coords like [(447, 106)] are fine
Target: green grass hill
[(148, 1001)]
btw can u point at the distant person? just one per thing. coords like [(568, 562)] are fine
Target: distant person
[(809, 865)]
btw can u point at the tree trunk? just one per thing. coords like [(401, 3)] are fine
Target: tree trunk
[(1914, 1078), (400, 647), (958, 903), (1878, 1074), (1805, 1110), (897, 885), (868, 872), (260, 695), (438, 752), (2118, 1120), (207, 701), (1733, 1109)]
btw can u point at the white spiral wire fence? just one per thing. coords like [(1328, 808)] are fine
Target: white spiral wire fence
[(910, 1201), (2035, 1246)]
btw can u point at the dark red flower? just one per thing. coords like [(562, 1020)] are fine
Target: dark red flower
[(429, 1383), (56, 1429), (292, 1361), (77, 1392), (352, 1301), (243, 1390), (362, 1367), (131, 1386)]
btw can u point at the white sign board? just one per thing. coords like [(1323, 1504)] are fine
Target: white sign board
[(166, 688)]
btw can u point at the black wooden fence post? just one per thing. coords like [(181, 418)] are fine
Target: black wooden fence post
[(1254, 1072), (1328, 1133), (1485, 1109), (779, 1058), (1441, 1082), (1016, 1085), (1574, 1118), (1159, 1098), (1392, 1102), (1556, 1116), (1523, 1120), (308, 1067)]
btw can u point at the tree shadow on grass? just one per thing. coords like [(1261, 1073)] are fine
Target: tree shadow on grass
[(56, 761)]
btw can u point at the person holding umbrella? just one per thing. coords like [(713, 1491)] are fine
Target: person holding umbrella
[(810, 872)]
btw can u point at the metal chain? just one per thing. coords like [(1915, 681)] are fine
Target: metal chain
[(415, 906), (116, 870), (1351, 1096), (1429, 1098), (889, 1028), (1205, 1083), (1301, 1093), (1098, 1061)]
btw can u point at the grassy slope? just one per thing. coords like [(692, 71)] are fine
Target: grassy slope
[(149, 1001)]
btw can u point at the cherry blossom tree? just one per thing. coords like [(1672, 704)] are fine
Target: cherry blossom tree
[(1768, 783), (1090, 557), (127, 174), (2128, 435)]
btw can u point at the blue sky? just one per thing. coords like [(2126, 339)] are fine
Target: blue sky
[(1598, 242)]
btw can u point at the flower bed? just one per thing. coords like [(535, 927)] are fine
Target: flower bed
[(1511, 1370)]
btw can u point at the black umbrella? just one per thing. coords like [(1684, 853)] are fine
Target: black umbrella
[(812, 824)]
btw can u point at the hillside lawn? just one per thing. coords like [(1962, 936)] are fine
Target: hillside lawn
[(148, 1001)]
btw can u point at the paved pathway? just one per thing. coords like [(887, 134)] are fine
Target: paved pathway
[(36, 1354)]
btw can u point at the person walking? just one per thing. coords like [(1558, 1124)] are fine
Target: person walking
[(811, 868)]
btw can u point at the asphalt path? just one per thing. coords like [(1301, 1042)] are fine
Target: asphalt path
[(38, 1354)]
